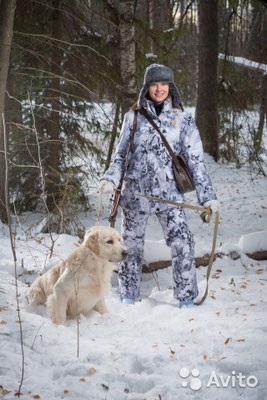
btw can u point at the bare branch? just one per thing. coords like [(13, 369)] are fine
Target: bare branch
[(54, 40), (13, 248)]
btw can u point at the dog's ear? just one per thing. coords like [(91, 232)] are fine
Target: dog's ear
[(92, 243)]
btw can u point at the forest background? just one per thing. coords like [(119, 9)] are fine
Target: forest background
[(70, 69)]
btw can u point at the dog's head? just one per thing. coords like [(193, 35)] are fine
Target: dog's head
[(105, 242)]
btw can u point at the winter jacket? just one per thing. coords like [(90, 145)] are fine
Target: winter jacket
[(149, 169)]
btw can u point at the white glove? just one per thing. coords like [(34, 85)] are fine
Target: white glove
[(106, 186), (214, 205)]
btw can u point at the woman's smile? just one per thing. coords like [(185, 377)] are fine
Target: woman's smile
[(158, 91)]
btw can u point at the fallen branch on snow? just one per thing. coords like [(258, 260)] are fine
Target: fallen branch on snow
[(204, 260)]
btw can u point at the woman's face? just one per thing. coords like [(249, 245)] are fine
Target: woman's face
[(158, 91)]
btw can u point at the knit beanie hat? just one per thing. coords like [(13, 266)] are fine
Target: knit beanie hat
[(159, 73)]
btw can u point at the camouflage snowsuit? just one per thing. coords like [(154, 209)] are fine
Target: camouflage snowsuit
[(150, 173)]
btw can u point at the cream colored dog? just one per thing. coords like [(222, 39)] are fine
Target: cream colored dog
[(78, 284)]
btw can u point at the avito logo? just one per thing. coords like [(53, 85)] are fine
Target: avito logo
[(192, 380), (232, 380)]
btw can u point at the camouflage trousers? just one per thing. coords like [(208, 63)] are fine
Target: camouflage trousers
[(177, 236)]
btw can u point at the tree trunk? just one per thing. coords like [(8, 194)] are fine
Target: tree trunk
[(152, 24), (53, 178), (206, 110), (7, 11), (127, 54), (160, 18), (262, 115), (253, 39), (113, 136)]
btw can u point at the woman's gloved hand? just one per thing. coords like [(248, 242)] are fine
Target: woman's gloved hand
[(214, 205), (106, 186)]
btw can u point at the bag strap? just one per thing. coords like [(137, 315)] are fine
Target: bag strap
[(143, 112), (129, 148), (116, 198)]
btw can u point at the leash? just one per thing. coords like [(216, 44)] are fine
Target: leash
[(205, 216), (211, 260)]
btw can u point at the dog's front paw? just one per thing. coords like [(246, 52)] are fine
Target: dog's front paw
[(56, 313), (57, 321), (35, 297), (101, 307)]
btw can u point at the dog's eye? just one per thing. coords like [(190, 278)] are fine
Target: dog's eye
[(110, 242)]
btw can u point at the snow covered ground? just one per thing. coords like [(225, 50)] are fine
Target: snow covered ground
[(151, 350)]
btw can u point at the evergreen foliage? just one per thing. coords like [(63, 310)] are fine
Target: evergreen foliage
[(65, 97)]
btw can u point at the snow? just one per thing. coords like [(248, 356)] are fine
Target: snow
[(245, 62), (151, 350), (151, 56), (252, 242)]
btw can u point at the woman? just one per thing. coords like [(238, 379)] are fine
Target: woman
[(149, 173)]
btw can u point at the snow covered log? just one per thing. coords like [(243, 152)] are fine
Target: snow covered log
[(253, 245)]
